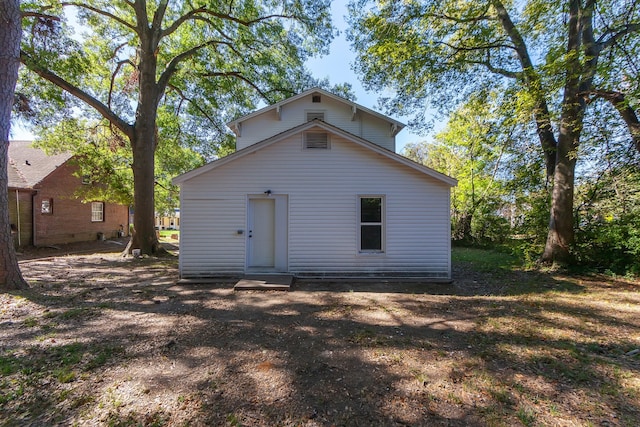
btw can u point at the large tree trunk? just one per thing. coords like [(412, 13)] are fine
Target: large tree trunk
[(10, 34), (561, 226), (144, 235), (143, 144), (561, 232)]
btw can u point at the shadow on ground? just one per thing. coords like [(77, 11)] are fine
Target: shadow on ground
[(104, 340)]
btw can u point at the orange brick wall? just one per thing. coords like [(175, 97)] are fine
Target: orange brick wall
[(71, 218)]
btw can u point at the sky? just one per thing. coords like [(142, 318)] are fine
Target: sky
[(336, 66)]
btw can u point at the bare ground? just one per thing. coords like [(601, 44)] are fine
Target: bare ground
[(105, 340)]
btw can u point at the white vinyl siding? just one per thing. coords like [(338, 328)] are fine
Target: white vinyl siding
[(367, 126), (322, 188)]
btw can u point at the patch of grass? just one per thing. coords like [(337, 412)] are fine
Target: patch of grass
[(67, 355), (64, 375), (169, 235), (502, 396), (30, 322), (420, 377), (74, 313), (526, 415), (48, 335), (8, 365), (484, 260), (103, 355), (233, 420), (133, 419), (11, 393)]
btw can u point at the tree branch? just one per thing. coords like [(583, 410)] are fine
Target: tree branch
[(198, 107), (113, 78), (31, 14), (240, 76), (172, 67), (159, 16), (105, 111), (592, 48), (497, 70), (628, 114), (475, 48), (195, 13), (483, 16), (614, 35), (101, 12), (541, 112)]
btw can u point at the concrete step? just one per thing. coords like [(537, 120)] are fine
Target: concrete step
[(271, 282)]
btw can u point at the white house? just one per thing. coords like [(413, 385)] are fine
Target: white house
[(315, 188)]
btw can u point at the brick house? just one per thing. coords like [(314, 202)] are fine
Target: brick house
[(43, 207)]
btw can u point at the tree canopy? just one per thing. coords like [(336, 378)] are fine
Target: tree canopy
[(163, 73), (557, 60)]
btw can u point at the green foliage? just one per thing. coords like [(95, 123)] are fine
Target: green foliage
[(166, 76), (611, 245), (480, 148), (608, 217), (104, 158), (551, 60), (440, 52)]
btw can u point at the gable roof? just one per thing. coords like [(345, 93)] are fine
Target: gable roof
[(28, 165), (317, 124), (398, 126)]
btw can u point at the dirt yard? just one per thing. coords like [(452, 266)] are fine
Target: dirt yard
[(105, 340)]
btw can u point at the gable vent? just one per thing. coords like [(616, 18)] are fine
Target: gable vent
[(311, 115), (316, 99), (316, 140)]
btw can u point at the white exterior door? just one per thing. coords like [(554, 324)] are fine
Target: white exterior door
[(261, 237)]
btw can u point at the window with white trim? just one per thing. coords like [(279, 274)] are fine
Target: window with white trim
[(46, 207), (371, 224), (97, 211), (316, 140)]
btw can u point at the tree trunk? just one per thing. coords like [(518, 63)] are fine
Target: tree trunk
[(561, 226), (144, 235), (145, 140), (462, 230), (10, 35), (561, 232)]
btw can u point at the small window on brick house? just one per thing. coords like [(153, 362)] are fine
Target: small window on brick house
[(97, 211), (46, 207)]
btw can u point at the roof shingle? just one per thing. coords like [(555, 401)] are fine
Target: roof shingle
[(28, 165)]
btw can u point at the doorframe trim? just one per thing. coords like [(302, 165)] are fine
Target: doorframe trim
[(281, 233)]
